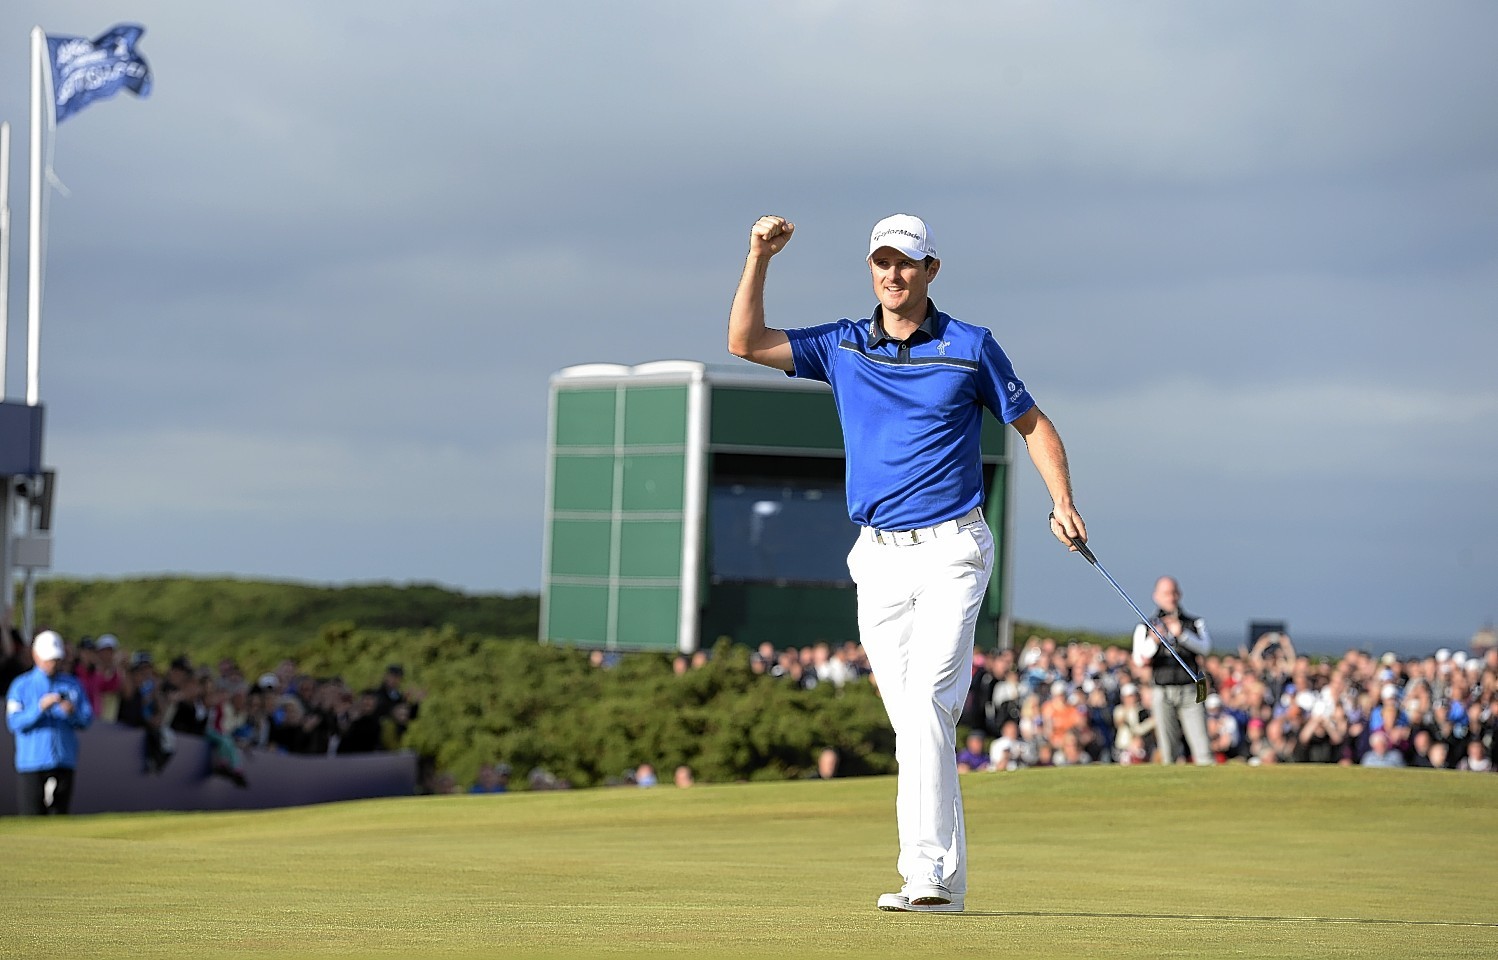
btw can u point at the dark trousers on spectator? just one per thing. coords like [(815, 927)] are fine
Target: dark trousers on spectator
[(44, 792)]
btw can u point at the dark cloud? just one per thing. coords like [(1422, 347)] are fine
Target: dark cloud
[(303, 301)]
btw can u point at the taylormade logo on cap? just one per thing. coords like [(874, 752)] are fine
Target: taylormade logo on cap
[(906, 234)]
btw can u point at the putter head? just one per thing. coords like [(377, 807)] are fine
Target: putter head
[(1201, 689)]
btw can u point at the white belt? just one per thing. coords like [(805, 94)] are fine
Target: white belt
[(909, 538)]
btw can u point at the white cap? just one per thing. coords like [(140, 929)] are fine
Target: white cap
[(107, 642), (1389, 692), (47, 645), (905, 233), (1213, 701)]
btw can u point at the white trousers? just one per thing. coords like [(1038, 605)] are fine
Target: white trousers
[(917, 608)]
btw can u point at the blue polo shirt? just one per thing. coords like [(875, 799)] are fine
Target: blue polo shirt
[(911, 412), (45, 739)]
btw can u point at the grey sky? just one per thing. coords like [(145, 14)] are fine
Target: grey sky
[(303, 301)]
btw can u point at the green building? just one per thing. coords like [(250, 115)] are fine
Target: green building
[(685, 502)]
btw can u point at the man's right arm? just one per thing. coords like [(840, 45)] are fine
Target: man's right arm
[(748, 337), (19, 717)]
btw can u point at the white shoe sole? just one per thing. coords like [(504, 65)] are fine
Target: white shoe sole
[(898, 903)]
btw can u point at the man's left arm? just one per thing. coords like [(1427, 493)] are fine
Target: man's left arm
[(1049, 456), (1194, 637)]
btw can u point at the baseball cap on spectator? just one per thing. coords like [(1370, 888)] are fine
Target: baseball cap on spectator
[(1388, 659), (1128, 689), (1214, 702), (48, 645), (1442, 655), (107, 641), (905, 233), (1389, 692), (268, 681), (140, 658)]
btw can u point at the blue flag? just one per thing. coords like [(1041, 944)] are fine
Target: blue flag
[(87, 70)]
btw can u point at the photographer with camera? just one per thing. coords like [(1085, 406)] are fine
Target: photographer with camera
[(1323, 737), (45, 708)]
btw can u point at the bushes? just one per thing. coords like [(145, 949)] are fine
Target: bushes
[(537, 706), (491, 699)]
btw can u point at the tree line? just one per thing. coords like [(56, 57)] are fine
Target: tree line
[(493, 693)]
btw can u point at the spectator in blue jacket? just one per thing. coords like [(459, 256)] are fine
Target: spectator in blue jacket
[(45, 708)]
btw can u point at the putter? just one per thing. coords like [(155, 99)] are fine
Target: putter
[(1199, 679)]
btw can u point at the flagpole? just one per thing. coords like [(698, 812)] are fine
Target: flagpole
[(4, 250), (34, 274)]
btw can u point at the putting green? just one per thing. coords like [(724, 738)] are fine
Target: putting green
[(1295, 861)]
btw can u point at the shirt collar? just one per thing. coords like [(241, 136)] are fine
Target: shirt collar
[(877, 336)]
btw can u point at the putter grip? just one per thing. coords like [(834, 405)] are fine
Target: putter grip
[(1081, 547)]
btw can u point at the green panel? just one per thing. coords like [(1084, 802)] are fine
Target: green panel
[(655, 415), (648, 617), (585, 418), (650, 548), (751, 613), (991, 440), (795, 419), (577, 614), (580, 548), (654, 481), (583, 483), (994, 601)]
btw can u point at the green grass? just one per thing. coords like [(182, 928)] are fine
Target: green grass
[(1117, 862)]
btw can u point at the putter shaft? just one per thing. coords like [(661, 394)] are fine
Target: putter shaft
[(1197, 678)]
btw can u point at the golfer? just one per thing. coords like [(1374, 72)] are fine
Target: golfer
[(911, 384)]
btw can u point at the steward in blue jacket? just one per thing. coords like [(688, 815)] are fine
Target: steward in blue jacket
[(45, 708)]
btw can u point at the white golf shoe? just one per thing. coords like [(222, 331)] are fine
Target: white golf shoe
[(925, 901)]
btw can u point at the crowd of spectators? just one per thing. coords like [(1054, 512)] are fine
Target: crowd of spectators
[(1051, 704), (1065, 704), (237, 711), (1043, 704), (1059, 704), (807, 667)]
